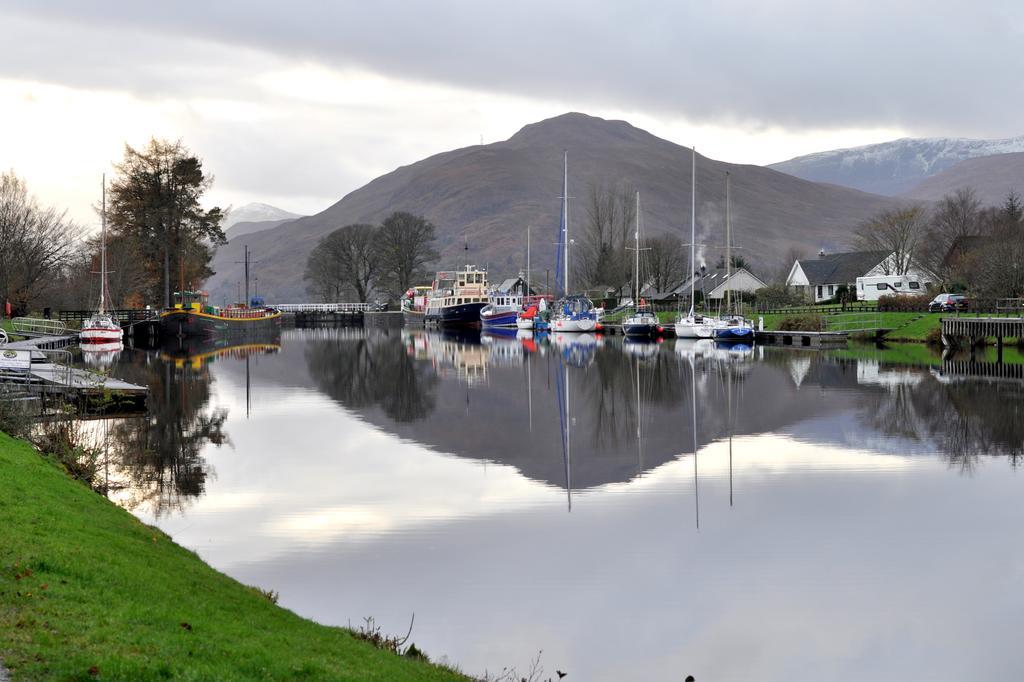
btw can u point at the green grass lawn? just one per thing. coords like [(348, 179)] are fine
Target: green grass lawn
[(89, 592)]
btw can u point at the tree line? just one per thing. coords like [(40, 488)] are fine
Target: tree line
[(959, 243), (159, 238), (360, 260)]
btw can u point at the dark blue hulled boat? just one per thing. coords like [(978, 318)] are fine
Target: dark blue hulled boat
[(462, 304), (734, 329), (642, 323)]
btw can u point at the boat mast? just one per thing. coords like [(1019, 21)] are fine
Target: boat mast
[(527, 260), (693, 229), (246, 302), (565, 218), (728, 247), (103, 248), (636, 290)]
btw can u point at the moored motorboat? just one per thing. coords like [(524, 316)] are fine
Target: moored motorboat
[(734, 329), (414, 306), (642, 323), (462, 304)]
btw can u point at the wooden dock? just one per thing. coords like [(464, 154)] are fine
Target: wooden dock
[(974, 330), (801, 339), (40, 368)]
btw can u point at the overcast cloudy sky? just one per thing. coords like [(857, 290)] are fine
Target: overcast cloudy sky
[(296, 104)]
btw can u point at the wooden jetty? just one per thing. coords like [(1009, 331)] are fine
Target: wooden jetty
[(801, 339), (40, 368), (976, 329)]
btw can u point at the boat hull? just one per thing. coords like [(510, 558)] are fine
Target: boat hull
[(503, 319), (100, 335), (414, 318), (734, 334), (574, 325), (464, 315), (688, 329), (191, 323)]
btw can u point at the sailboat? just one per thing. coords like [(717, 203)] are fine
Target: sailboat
[(693, 325), (101, 327), (733, 328), (575, 312), (643, 322)]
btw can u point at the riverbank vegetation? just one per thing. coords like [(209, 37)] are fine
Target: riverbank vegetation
[(89, 592)]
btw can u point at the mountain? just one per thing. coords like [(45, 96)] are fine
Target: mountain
[(891, 168), (992, 177), (487, 196), (256, 213), (249, 226)]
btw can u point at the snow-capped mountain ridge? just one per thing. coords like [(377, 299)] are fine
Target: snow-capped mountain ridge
[(256, 212), (891, 168)]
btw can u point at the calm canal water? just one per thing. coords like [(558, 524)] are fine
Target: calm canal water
[(842, 517)]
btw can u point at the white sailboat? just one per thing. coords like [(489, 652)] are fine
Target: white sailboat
[(575, 312), (694, 325), (101, 327), (643, 322)]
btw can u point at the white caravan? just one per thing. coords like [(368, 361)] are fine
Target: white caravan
[(873, 288)]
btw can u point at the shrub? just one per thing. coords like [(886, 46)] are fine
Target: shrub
[(802, 323), (778, 296), (903, 304)]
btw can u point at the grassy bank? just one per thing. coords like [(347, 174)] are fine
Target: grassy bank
[(89, 592)]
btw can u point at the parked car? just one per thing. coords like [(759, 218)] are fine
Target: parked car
[(947, 303)]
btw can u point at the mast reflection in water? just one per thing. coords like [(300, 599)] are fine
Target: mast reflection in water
[(394, 471)]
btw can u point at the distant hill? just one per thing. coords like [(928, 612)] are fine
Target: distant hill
[(248, 227), (892, 168), (256, 213), (488, 195), (992, 177)]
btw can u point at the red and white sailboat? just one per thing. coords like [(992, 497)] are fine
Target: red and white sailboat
[(102, 327)]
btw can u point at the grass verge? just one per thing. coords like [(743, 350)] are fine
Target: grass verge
[(89, 592)]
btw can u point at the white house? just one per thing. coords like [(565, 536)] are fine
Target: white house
[(714, 282), (821, 277)]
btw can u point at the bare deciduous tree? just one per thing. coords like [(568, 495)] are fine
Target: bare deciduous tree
[(405, 245), (956, 217), (667, 260), (601, 256), (345, 259), (36, 244), (899, 232)]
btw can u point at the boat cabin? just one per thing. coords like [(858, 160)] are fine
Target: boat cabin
[(470, 286), (191, 300)]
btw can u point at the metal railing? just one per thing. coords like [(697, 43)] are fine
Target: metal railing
[(321, 307), (125, 317), (31, 326), (852, 322)]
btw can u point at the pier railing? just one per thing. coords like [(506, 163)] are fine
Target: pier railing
[(125, 317), (321, 307), (30, 326)]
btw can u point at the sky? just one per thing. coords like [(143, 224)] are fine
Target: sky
[(296, 104)]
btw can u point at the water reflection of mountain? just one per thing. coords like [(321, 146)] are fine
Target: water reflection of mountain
[(414, 385)]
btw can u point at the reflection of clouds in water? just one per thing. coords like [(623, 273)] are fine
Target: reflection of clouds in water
[(841, 559)]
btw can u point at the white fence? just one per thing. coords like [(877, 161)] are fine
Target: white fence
[(321, 307)]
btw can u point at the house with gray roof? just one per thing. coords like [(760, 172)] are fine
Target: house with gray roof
[(819, 278)]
